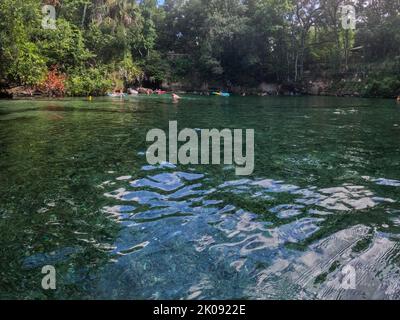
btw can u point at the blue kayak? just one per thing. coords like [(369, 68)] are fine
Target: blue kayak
[(221, 94)]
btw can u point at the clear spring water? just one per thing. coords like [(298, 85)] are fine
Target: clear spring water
[(76, 192)]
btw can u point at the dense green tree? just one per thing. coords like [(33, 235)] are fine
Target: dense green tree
[(21, 61), (224, 43)]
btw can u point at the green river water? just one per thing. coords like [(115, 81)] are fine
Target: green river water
[(76, 192)]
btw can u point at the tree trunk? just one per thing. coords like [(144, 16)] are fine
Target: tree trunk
[(84, 14)]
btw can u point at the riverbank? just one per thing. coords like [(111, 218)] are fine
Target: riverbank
[(354, 86), (13, 94)]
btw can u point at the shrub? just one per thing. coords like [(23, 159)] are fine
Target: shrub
[(128, 71), (28, 67), (54, 83), (388, 87), (85, 82)]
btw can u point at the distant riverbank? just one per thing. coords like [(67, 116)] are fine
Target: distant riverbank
[(317, 88), (352, 85)]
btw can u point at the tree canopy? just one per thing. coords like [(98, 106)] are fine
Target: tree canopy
[(101, 44)]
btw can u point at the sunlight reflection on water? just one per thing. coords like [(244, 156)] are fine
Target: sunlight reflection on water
[(209, 231)]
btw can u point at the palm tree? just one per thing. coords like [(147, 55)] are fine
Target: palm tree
[(117, 13)]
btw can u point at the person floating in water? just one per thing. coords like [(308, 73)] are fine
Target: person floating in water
[(175, 97)]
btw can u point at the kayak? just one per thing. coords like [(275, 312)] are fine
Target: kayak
[(160, 92), (221, 94)]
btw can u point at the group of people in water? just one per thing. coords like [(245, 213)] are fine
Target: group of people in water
[(175, 97), (133, 92)]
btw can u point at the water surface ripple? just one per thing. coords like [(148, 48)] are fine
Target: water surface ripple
[(77, 193)]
